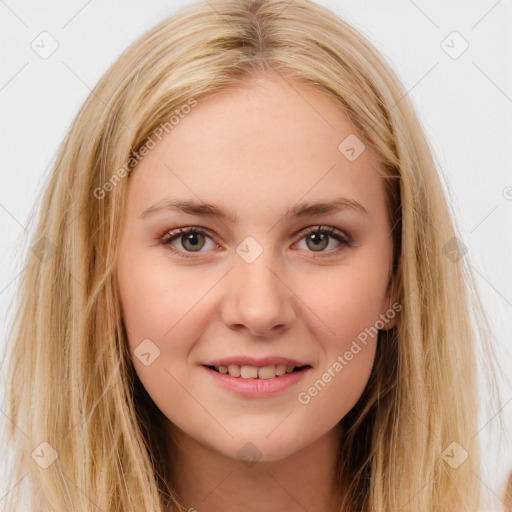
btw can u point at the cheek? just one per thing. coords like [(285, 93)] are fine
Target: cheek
[(160, 311), (346, 302), (157, 303), (164, 313), (348, 334)]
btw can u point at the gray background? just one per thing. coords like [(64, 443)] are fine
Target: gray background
[(465, 105)]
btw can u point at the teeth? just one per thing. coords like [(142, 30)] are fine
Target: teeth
[(254, 372), (234, 370), (267, 372), (280, 369), (249, 372)]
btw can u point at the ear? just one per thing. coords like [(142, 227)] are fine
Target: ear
[(389, 311)]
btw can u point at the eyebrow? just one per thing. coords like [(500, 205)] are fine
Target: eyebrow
[(297, 211)]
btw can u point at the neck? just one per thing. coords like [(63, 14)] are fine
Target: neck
[(206, 480)]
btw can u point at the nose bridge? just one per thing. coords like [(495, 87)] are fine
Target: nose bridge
[(258, 297)]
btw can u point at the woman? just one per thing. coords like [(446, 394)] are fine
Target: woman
[(255, 373)]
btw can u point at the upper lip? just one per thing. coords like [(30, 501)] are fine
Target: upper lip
[(255, 361)]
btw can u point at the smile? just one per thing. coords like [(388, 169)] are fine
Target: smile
[(256, 382), (255, 372)]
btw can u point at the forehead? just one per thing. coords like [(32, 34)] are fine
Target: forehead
[(270, 143)]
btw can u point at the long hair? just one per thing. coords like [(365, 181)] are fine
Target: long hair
[(75, 402)]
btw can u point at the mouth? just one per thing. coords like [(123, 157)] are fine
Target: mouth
[(257, 372), (257, 382)]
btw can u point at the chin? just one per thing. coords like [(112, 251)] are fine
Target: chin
[(260, 448)]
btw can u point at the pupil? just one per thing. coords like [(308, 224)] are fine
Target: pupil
[(192, 238), (318, 238)]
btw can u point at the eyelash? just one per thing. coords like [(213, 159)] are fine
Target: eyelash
[(170, 236)]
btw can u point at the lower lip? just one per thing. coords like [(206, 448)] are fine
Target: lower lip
[(257, 388)]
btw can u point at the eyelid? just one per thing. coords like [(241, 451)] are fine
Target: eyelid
[(173, 234), (329, 230)]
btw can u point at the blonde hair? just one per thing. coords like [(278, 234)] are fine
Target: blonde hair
[(72, 383)]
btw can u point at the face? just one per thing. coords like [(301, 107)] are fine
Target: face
[(270, 282)]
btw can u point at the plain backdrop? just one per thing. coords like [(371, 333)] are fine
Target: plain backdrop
[(463, 97)]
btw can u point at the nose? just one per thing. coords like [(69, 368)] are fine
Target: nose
[(257, 298)]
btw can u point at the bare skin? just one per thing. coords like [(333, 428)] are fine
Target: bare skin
[(256, 151)]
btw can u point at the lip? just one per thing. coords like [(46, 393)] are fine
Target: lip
[(257, 388), (254, 361)]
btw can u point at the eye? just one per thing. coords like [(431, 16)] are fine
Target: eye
[(192, 239), (317, 237)]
